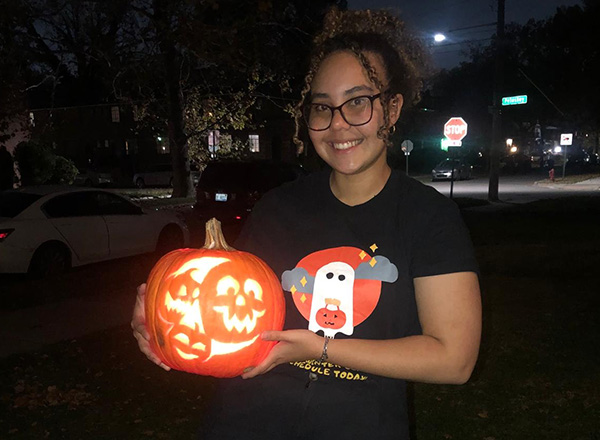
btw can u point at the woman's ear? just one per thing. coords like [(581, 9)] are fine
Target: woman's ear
[(395, 108)]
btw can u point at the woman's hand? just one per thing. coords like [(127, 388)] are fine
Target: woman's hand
[(293, 345), (140, 332)]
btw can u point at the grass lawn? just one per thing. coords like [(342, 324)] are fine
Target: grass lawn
[(538, 376)]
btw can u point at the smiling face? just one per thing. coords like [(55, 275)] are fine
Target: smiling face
[(351, 149)]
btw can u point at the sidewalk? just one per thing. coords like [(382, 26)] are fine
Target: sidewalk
[(585, 185)]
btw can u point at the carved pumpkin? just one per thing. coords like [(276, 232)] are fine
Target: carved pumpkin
[(206, 308)]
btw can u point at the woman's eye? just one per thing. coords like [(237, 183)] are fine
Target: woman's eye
[(359, 102), (320, 108)]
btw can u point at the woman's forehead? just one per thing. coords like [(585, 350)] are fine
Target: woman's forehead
[(345, 65)]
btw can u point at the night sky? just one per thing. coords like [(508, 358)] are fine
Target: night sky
[(431, 16)]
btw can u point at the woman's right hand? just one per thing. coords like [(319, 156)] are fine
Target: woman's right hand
[(140, 332)]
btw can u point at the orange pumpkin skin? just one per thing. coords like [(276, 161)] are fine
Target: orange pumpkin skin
[(206, 308)]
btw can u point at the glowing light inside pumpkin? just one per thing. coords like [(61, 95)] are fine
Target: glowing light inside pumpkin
[(184, 339), (190, 311), (231, 322), (229, 347), (230, 286), (200, 267)]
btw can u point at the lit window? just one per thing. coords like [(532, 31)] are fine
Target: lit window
[(214, 139), (254, 143), (115, 114), (31, 119)]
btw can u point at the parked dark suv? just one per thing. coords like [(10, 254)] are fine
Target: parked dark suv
[(229, 190)]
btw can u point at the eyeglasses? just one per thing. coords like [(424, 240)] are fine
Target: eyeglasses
[(356, 111)]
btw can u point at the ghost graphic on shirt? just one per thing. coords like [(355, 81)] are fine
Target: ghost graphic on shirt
[(332, 307), (336, 289)]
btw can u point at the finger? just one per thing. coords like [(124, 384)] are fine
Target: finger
[(253, 372), (272, 336), (152, 357), (139, 328), (141, 289)]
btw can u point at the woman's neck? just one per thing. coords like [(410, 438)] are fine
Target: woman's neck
[(356, 189)]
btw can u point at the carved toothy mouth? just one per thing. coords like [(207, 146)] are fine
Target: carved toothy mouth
[(231, 322)]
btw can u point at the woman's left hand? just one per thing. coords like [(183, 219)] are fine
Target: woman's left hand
[(293, 345)]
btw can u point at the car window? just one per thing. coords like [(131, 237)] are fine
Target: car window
[(14, 203), (110, 204), (72, 205)]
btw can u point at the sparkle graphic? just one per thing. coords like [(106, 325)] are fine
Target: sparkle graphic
[(293, 289), (303, 298), (373, 262), (362, 255), (303, 281), (374, 247)]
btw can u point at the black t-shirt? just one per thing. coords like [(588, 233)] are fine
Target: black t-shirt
[(347, 272)]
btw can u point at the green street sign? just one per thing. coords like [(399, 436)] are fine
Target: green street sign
[(514, 100)]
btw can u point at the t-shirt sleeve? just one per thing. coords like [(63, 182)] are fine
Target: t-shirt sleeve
[(441, 243)]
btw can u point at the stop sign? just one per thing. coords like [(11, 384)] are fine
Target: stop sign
[(455, 129)]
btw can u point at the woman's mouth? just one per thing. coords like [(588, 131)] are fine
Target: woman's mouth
[(345, 145)]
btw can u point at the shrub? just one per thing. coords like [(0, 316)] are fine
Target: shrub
[(38, 165)]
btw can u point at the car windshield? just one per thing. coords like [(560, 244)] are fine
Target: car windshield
[(13, 203)]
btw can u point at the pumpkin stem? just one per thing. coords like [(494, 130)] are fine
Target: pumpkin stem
[(214, 236)]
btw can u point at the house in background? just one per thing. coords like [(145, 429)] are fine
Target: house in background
[(108, 138)]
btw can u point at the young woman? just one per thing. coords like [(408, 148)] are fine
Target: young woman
[(378, 269)]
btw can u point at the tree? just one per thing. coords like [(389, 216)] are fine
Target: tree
[(185, 67), (218, 62), (556, 62)]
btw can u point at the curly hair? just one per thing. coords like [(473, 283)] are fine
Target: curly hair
[(361, 32)]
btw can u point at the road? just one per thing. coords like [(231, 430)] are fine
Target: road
[(519, 188)]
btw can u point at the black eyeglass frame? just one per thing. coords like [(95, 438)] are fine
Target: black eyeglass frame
[(339, 108)]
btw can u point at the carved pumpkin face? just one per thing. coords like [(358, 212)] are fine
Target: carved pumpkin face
[(206, 309)]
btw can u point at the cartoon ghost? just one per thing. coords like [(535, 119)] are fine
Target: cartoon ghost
[(332, 305)]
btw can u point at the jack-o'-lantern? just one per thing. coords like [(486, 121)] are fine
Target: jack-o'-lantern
[(206, 308), (330, 317)]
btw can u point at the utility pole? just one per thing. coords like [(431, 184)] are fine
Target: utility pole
[(497, 142)]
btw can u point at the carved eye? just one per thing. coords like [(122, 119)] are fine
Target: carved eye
[(252, 286), (227, 285), (342, 277), (329, 275)]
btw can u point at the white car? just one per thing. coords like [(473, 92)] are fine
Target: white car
[(87, 177), (48, 229)]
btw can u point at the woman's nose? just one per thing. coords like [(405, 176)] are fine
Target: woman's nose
[(338, 121)]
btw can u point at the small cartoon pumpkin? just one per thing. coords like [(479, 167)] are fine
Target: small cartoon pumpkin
[(206, 308), (330, 317)]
